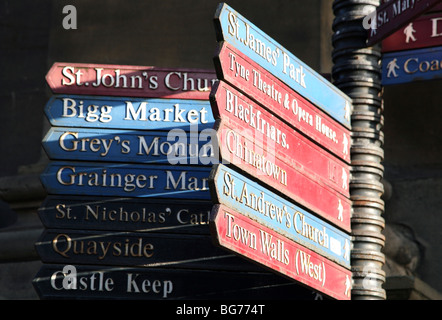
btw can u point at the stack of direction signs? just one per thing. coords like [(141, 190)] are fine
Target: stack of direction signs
[(411, 35), (128, 203), (282, 190), (414, 52), (124, 191)]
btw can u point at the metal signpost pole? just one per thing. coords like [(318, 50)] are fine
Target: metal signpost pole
[(357, 73)]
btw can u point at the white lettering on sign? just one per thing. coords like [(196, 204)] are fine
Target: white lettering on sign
[(256, 202), (100, 213), (295, 73), (178, 147), (239, 233), (435, 27), (145, 286), (325, 130), (315, 271), (185, 217), (70, 20), (136, 79), (308, 231), (187, 83), (254, 119), (413, 65), (69, 176), (401, 6), (269, 90), (91, 113), (286, 217), (274, 249)]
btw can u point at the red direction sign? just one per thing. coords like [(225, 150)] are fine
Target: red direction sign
[(393, 15), (251, 138), (131, 81), (262, 245), (249, 77), (279, 169), (424, 32)]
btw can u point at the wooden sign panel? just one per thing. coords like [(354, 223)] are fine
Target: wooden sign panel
[(128, 113), (57, 281), (126, 180), (263, 246), (282, 216), (131, 81), (126, 214), (254, 43), (257, 83), (173, 147), (412, 65), (393, 15), (424, 32)]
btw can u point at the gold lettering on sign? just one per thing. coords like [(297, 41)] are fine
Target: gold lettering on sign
[(67, 247)]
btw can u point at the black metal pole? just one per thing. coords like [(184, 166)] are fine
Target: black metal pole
[(357, 72)]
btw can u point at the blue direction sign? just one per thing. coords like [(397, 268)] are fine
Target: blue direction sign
[(247, 38), (128, 113), (127, 180), (265, 207), (411, 65), (173, 147), (133, 249)]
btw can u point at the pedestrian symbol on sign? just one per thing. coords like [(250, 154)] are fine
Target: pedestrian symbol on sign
[(392, 65), (409, 33)]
